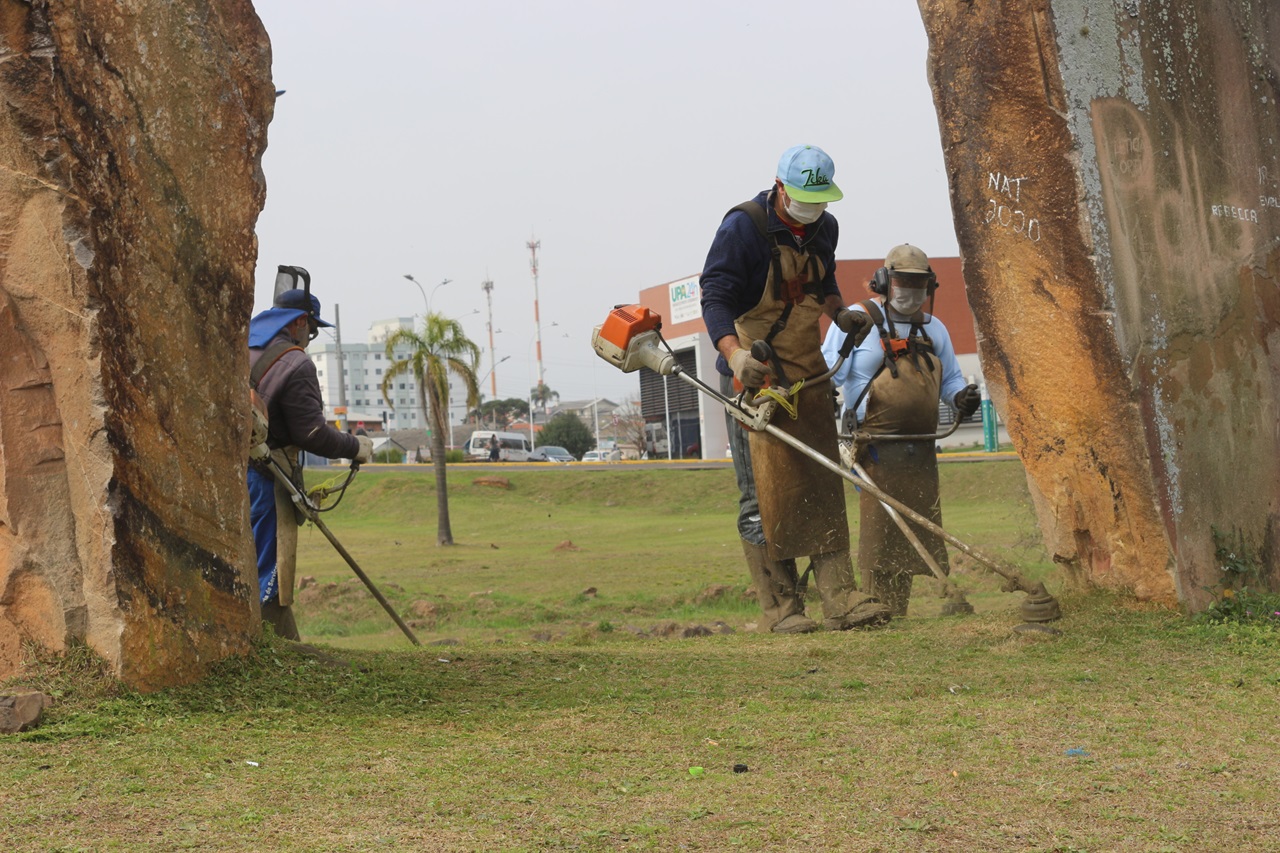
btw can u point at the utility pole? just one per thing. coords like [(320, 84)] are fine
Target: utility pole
[(534, 245), (340, 411), (487, 287)]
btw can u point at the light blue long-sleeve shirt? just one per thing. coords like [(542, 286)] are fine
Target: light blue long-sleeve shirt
[(863, 363)]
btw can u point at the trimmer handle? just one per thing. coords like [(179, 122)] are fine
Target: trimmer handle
[(847, 347), (762, 352)]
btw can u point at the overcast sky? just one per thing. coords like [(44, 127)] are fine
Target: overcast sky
[(436, 139)]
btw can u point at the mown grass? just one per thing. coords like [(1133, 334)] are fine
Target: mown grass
[(1133, 729), (648, 542)]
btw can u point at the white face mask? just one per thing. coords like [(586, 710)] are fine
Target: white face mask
[(805, 212), (907, 300)]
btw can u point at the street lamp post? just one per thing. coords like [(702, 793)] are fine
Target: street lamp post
[(426, 304), (448, 390), (433, 292), (426, 300)]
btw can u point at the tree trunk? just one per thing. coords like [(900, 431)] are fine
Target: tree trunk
[(422, 400), (444, 531)]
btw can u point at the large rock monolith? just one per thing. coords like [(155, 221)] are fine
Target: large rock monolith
[(1114, 176), (130, 183)]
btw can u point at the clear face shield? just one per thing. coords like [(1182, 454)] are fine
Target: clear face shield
[(908, 293)]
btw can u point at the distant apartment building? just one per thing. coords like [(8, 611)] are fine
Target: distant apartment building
[(363, 369)]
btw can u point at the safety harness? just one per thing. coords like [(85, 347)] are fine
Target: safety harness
[(915, 344), (792, 292), (273, 353)]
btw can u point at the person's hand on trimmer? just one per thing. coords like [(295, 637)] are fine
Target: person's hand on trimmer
[(748, 371), (365, 454), (855, 323), (967, 400)]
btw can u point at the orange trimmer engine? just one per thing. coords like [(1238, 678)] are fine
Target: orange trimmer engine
[(629, 340)]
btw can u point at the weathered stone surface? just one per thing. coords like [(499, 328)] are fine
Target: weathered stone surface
[(130, 183), (22, 710), (1114, 177)]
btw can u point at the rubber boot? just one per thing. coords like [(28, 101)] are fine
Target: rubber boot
[(775, 583), (843, 607), (280, 619), (893, 588)]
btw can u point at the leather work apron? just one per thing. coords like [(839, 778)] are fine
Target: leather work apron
[(907, 470), (287, 523), (802, 506)]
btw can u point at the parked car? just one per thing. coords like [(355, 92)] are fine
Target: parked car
[(550, 453), (602, 456)]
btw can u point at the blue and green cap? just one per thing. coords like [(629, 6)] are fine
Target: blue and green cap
[(808, 174)]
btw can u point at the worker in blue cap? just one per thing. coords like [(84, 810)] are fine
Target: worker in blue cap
[(769, 277), (285, 382)]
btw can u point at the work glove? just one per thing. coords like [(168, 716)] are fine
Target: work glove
[(365, 453), (855, 323), (748, 371), (967, 400)]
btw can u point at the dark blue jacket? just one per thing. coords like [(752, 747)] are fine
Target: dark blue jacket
[(737, 266)]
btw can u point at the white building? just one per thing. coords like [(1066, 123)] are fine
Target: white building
[(364, 367)]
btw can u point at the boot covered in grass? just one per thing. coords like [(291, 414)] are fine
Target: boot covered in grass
[(843, 606), (775, 582)]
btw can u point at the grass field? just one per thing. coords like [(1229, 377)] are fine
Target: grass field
[(543, 716), (651, 543)]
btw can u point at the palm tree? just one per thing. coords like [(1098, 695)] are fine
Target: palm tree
[(439, 349), (542, 395)]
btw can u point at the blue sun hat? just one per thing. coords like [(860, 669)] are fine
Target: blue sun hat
[(808, 174), (289, 306)]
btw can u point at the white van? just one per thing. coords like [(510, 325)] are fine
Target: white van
[(655, 440), (512, 446)]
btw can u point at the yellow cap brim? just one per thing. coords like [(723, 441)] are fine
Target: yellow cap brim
[(828, 193)]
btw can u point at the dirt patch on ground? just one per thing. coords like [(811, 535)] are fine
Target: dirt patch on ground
[(492, 482)]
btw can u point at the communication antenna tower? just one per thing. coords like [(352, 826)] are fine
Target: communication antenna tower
[(487, 287), (534, 245)]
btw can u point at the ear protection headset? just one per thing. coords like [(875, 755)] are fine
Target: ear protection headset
[(880, 281)]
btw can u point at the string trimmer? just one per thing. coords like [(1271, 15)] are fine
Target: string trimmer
[(630, 338), (311, 509)]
